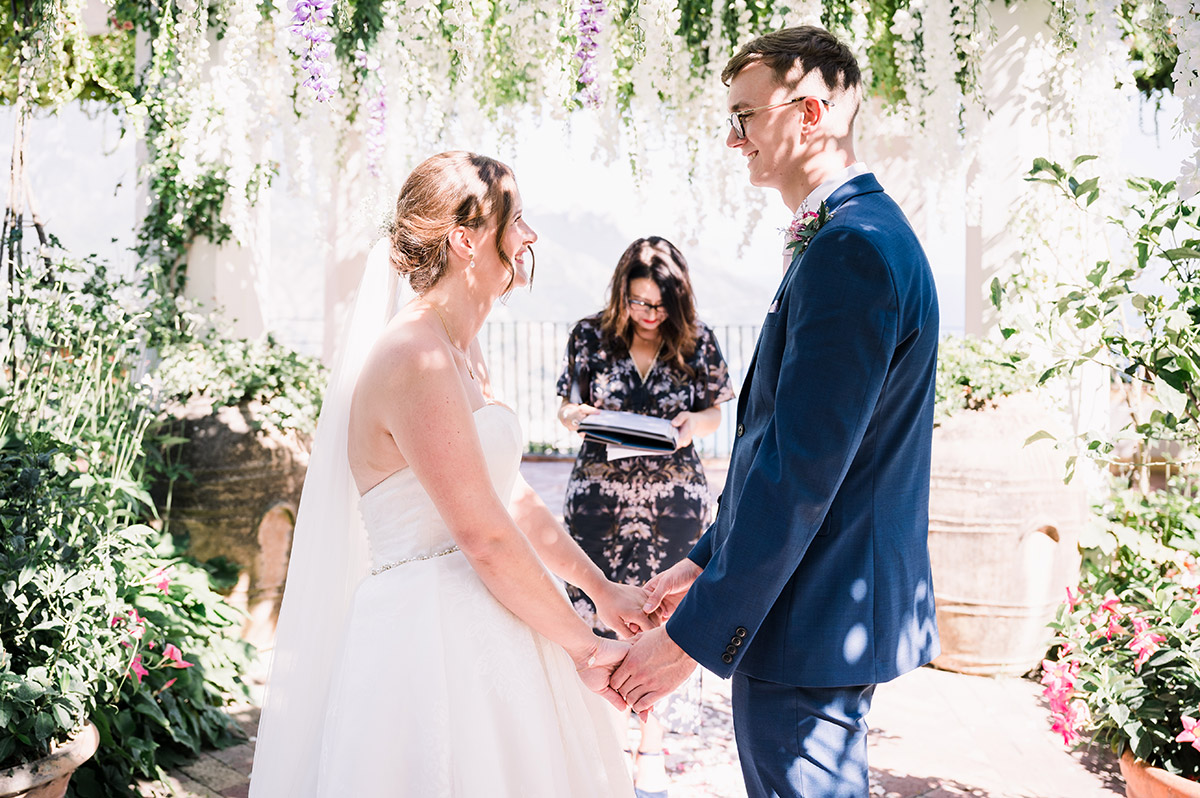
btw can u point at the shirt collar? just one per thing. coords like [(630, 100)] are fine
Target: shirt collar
[(822, 192)]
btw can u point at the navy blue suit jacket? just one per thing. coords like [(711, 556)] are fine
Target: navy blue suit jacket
[(816, 569)]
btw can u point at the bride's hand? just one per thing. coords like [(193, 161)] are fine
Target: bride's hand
[(596, 668), (620, 607)]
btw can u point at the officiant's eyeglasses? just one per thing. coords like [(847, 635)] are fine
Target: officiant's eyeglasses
[(645, 306), (737, 120)]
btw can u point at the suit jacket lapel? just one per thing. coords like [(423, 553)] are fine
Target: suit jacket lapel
[(863, 184)]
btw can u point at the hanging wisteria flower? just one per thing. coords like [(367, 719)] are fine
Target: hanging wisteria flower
[(376, 108), (590, 12), (309, 22)]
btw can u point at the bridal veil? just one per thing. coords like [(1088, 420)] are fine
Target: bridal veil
[(328, 560)]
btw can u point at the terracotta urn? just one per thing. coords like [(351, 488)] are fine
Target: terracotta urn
[(1147, 781), (1003, 532), (241, 501), (48, 777)]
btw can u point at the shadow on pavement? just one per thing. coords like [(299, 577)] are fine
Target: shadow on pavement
[(889, 784)]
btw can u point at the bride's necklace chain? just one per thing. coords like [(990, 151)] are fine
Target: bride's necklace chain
[(450, 338)]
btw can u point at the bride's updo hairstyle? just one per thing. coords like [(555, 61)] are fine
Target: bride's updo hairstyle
[(445, 191)]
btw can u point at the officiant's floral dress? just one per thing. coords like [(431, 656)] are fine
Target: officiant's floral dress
[(637, 516)]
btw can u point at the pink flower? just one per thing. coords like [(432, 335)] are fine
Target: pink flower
[(172, 653), (1189, 575), (161, 578), (137, 624), (165, 686), (1190, 733), (799, 224), (1073, 598), (1144, 642), (1060, 675), (1068, 721), (1112, 604), (138, 669), (1059, 678)]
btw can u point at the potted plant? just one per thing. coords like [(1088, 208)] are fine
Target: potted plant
[(102, 620), (1126, 664), (1125, 667), (245, 411)]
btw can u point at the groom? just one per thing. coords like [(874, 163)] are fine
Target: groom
[(813, 584)]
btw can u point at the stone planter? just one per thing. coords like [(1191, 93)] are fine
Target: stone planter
[(1147, 781), (241, 503), (1003, 537), (48, 778)]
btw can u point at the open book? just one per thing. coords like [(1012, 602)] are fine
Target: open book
[(630, 430)]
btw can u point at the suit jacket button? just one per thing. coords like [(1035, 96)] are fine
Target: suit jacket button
[(727, 659), (741, 430), (737, 641), (731, 649), (741, 631)]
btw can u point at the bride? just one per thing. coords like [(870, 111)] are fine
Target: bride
[(423, 649)]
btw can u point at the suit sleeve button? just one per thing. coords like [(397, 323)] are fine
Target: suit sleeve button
[(737, 641), (731, 649), (727, 659), (741, 631)]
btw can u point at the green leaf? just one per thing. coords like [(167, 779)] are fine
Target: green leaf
[(1182, 253), (1087, 186), (997, 292), (44, 726), (1173, 400), (1040, 435)]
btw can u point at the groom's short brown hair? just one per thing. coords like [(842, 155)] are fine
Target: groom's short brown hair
[(810, 47)]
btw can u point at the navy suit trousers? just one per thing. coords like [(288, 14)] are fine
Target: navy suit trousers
[(801, 742)]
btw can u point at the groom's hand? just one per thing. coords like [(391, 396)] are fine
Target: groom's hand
[(653, 668), (664, 591)]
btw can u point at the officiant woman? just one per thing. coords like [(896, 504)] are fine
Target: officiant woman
[(645, 352)]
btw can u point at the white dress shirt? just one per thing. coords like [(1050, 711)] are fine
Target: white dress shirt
[(821, 193)]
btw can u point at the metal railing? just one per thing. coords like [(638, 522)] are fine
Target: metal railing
[(526, 358)]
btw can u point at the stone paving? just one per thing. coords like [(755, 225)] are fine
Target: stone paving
[(934, 734)]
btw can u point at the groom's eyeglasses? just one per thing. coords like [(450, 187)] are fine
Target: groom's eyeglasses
[(737, 120)]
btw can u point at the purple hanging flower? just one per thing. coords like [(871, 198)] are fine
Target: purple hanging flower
[(309, 22), (376, 109), (590, 12)]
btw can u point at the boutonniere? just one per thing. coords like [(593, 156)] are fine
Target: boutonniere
[(803, 228)]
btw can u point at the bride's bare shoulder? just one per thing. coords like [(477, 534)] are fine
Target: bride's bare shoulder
[(408, 347)]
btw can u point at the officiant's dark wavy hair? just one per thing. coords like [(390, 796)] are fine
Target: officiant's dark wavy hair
[(447, 190), (659, 260)]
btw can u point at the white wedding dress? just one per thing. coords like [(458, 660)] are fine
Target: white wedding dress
[(439, 690)]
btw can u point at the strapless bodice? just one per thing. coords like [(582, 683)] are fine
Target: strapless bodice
[(401, 521)]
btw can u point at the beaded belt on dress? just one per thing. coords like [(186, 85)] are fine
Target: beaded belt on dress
[(387, 566)]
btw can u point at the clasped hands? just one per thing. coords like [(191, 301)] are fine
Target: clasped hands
[(645, 665)]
